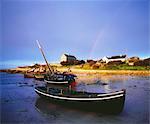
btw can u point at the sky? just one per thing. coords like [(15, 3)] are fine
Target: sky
[(86, 29)]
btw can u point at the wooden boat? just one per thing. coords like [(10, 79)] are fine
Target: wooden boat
[(39, 76), (29, 75), (60, 79), (54, 77), (112, 102), (61, 82)]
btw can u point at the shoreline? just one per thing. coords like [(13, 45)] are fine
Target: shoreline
[(90, 72)]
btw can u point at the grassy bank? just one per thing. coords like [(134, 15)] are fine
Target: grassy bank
[(108, 67), (108, 72)]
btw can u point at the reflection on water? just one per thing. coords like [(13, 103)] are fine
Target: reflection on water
[(65, 115), (94, 88), (46, 107), (88, 79), (101, 84)]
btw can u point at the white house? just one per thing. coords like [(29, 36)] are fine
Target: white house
[(121, 58), (67, 58)]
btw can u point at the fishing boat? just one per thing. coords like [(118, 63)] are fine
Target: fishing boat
[(39, 76), (112, 102), (29, 75), (59, 82), (59, 79), (53, 77)]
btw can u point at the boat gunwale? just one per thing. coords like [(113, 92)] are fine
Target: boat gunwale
[(107, 96), (56, 81)]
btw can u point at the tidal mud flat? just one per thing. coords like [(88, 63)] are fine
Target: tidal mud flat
[(20, 104)]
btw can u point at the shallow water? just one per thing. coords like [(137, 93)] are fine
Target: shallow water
[(20, 104)]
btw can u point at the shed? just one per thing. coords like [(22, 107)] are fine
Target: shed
[(67, 58)]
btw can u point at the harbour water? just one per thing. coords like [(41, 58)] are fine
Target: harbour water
[(20, 103)]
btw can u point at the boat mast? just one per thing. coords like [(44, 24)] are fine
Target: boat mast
[(49, 67)]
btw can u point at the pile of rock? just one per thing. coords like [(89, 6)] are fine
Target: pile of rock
[(37, 69)]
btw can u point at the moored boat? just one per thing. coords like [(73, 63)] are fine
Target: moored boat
[(102, 102), (60, 82), (60, 79), (39, 76), (29, 75), (53, 77)]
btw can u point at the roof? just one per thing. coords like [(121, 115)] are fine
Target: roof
[(70, 56), (117, 57)]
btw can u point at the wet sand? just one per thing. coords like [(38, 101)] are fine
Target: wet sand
[(20, 104)]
